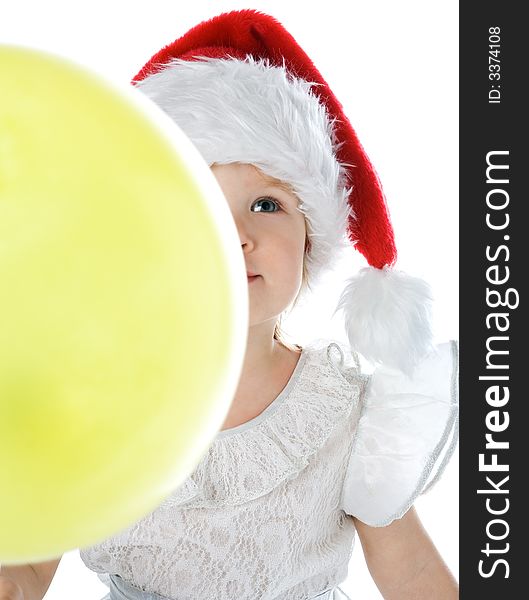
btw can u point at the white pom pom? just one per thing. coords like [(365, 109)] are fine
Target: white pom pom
[(387, 317)]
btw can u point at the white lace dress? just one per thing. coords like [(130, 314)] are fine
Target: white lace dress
[(266, 513)]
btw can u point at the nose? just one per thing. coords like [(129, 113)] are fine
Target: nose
[(245, 234)]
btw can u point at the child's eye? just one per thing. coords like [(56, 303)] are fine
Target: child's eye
[(266, 204)]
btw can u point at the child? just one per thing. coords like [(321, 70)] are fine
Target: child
[(312, 449)]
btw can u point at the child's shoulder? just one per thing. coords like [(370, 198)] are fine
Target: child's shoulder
[(338, 352), (436, 370), (343, 365)]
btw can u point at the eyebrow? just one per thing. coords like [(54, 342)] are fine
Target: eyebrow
[(268, 179), (278, 183), (282, 185)]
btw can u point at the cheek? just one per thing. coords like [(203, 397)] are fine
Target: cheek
[(291, 235), (290, 250)]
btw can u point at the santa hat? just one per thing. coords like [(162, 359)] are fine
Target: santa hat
[(244, 91)]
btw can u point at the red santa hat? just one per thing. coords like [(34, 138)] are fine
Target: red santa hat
[(244, 91)]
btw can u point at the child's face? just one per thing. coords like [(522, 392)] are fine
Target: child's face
[(272, 233)]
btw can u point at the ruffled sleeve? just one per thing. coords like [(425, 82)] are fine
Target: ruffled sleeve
[(406, 434)]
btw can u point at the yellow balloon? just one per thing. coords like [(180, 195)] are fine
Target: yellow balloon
[(123, 306)]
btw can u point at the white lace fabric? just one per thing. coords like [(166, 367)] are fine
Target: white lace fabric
[(263, 514)]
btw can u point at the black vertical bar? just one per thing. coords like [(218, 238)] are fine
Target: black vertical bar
[(493, 249)]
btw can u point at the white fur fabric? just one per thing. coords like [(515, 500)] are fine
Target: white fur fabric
[(251, 112), (387, 316)]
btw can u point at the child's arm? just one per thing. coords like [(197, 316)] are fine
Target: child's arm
[(27, 581), (403, 561)]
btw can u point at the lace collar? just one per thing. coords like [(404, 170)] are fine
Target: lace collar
[(273, 406), (248, 461)]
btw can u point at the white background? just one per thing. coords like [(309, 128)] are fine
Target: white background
[(394, 67)]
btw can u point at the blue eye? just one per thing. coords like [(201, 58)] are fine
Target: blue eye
[(266, 203)]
